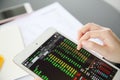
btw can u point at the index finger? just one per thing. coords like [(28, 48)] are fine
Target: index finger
[(86, 28)]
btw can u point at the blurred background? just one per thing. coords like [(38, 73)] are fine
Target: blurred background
[(102, 12)]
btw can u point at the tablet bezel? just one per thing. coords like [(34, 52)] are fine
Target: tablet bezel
[(22, 56)]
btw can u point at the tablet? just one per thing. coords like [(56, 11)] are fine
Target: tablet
[(53, 56)]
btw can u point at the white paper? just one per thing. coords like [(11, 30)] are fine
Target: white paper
[(51, 16), (10, 44)]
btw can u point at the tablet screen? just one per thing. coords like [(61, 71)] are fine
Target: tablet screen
[(58, 59)]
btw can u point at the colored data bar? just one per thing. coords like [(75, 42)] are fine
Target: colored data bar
[(39, 73), (94, 76), (67, 58), (106, 67), (69, 48), (103, 69), (73, 45), (101, 73), (84, 52), (61, 65), (70, 43)]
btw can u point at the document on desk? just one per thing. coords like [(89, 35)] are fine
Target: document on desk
[(10, 44), (53, 15)]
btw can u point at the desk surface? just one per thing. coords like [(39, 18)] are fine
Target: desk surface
[(85, 11)]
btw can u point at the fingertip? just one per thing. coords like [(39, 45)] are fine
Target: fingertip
[(37, 79), (78, 47)]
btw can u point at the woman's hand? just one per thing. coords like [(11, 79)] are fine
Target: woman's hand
[(111, 43)]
